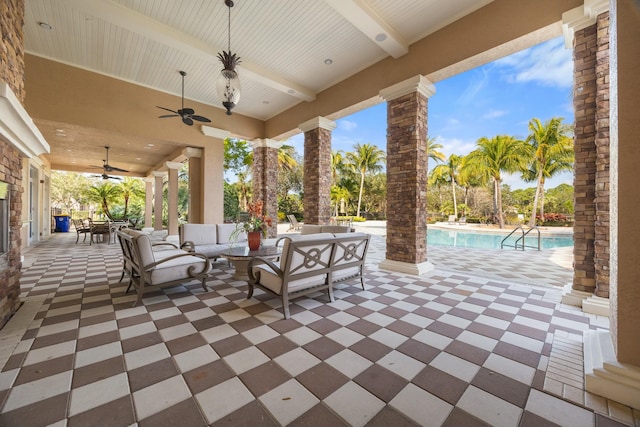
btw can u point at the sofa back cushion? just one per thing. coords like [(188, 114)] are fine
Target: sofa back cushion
[(227, 234), (336, 229), (307, 254), (350, 250), (300, 238), (199, 234), (142, 247), (311, 229)]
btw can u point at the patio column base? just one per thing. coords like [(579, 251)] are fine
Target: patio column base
[(604, 375), (406, 267), (586, 300)]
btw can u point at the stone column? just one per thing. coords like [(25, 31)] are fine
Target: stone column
[(194, 157), (148, 201), (612, 359), (317, 170), (172, 196), (407, 175), (265, 178), (591, 180), (157, 199), (213, 176)]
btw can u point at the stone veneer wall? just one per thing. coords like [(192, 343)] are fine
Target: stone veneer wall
[(601, 243), (407, 178), (584, 103), (317, 176), (265, 183), (12, 72)]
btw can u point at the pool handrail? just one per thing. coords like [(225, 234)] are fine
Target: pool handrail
[(522, 245)]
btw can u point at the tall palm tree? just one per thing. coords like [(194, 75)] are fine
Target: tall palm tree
[(366, 158), (552, 152), (433, 150), (449, 173), (286, 159), (493, 156), (337, 165), (130, 187), (104, 194)]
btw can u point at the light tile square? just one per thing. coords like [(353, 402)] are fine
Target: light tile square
[(401, 364), (557, 410), (98, 393), (288, 401), (221, 400), (146, 356), (354, 404), (302, 336), (430, 412), (35, 391), (345, 336), (97, 354), (195, 358), (389, 338), (510, 368), (455, 366), (159, 396), (296, 361), (433, 339), (243, 360), (349, 363), (489, 408)]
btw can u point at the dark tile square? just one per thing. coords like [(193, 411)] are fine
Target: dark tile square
[(518, 354), (318, 416), (370, 349), (404, 328), (467, 352), (208, 322), (264, 378), (250, 415), (142, 341), (444, 329), (207, 376), (486, 330), (38, 371), (246, 324), (501, 386), (276, 346), (429, 313), (184, 414), (458, 418), (528, 331), (152, 373), (116, 413), (359, 311), (186, 343), (323, 348), (324, 326), (439, 383), (168, 322), (418, 350), (364, 327), (390, 417), (532, 420), (322, 380), (97, 371), (381, 382), (97, 340), (52, 339), (231, 345), (41, 413)]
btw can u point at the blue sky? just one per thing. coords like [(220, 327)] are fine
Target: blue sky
[(498, 98)]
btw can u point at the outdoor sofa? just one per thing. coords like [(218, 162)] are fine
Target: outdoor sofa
[(310, 263), (210, 240)]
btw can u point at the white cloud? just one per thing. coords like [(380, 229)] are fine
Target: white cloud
[(452, 121), (347, 125), (477, 82), (494, 114), (457, 146), (548, 64)]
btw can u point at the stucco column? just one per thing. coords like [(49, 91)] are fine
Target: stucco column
[(157, 199), (194, 157), (212, 206), (148, 201), (586, 30), (317, 170), (407, 175), (612, 359), (172, 196), (265, 178)]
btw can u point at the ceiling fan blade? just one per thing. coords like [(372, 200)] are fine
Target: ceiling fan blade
[(96, 167), (174, 112), (169, 115), (185, 111), (113, 168), (200, 118), (187, 121)]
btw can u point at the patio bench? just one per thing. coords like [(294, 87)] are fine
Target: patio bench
[(308, 264), (209, 240), (155, 269)]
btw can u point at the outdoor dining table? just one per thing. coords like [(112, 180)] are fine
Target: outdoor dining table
[(240, 256)]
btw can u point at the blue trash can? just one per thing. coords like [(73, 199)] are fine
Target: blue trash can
[(62, 223)]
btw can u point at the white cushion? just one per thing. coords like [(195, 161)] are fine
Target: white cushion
[(269, 279), (199, 234)]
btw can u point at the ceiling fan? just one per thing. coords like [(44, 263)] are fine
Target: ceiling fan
[(106, 167), (187, 114)]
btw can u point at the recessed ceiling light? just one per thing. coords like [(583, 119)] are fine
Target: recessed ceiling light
[(45, 25), (151, 145), (328, 61), (138, 158), (381, 37), (291, 91), (265, 102), (60, 130)]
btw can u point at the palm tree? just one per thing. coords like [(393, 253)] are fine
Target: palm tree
[(432, 150), (104, 194), (286, 159), (449, 173), (493, 156), (130, 187), (366, 158), (337, 165), (552, 150)]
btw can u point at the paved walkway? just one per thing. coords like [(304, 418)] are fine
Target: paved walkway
[(454, 347)]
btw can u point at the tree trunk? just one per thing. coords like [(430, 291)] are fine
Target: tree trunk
[(498, 203), (532, 220), (360, 195), (542, 198), (453, 192)]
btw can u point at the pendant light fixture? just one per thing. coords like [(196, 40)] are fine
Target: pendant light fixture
[(228, 84)]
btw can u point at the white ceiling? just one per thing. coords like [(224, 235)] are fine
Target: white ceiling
[(283, 44)]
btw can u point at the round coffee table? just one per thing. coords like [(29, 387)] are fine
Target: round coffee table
[(240, 256)]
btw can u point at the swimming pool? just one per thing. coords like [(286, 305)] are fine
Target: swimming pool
[(486, 240)]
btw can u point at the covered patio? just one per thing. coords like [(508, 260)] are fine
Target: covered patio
[(451, 347)]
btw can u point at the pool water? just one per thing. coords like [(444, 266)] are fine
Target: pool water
[(469, 239)]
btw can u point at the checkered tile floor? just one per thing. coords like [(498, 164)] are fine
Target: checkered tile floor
[(449, 348)]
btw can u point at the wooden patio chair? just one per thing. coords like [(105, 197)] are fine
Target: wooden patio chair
[(81, 228)]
